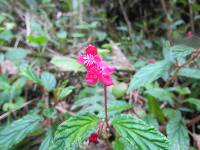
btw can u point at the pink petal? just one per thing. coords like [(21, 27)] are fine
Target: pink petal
[(106, 80), (91, 49), (94, 69), (105, 68), (80, 59), (91, 78)]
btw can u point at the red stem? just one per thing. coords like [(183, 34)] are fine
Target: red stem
[(106, 105)]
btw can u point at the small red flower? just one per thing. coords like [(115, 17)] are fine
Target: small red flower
[(151, 60), (189, 34), (97, 69), (93, 138)]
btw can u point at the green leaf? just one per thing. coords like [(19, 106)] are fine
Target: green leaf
[(67, 64), (40, 40), (151, 120), (17, 87), (190, 73), (177, 133), (194, 101), (48, 80), (6, 35), (115, 106), (180, 51), (140, 135), (16, 54), (119, 90), (73, 132), (148, 74), (65, 92), (121, 144), (161, 94), (154, 108), (18, 130), (78, 35), (30, 74), (4, 84), (47, 140), (180, 90)]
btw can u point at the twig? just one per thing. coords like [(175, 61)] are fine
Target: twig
[(169, 30), (191, 15), (194, 121), (126, 18), (8, 113)]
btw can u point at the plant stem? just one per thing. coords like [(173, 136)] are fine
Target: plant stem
[(106, 105)]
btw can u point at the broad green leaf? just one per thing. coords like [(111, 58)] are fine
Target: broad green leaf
[(74, 132), (177, 133), (47, 140), (67, 64), (18, 130), (121, 144), (161, 94), (17, 87), (154, 108), (65, 92), (151, 120), (190, 73), (48, 80), (4, 85), (140, 135), (115, 106), (6, 35), (148, 74), (194, 101), (16, 54), (4, 97), (30, 74), (179, 51)]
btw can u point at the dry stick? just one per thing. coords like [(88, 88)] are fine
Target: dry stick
[(194, 121), (126, 18), (191, 15), (8, 113), (169, 30)]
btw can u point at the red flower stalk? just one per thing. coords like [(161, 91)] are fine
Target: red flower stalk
[(97, 70), (93, 138)]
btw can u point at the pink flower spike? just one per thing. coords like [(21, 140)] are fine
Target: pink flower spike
[(97, 69)]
